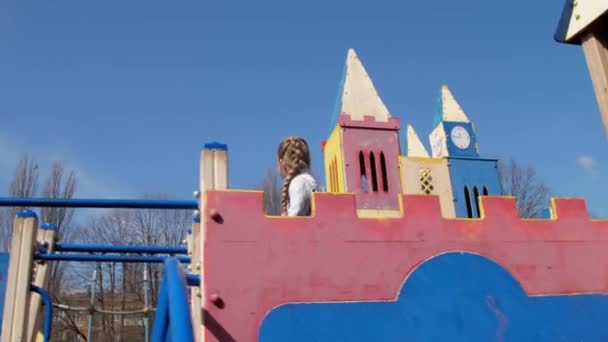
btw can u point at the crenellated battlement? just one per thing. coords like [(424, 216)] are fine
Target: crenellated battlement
[(253, 262), (420, 219), (369, 121)]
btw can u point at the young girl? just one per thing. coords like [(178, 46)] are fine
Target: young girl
[(294, 165)]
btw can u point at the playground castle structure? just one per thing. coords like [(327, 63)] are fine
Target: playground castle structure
[(405, 245)]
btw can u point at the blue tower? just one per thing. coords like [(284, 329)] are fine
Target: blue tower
[(453, 137)]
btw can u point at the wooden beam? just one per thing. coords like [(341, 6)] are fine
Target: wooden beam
[(17, 296), (213, 176), (595, 47), (46, 234)]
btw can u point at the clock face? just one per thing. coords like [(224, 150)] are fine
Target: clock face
[(461, 138)]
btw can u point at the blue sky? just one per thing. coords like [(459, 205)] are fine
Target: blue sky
[(127, 92)]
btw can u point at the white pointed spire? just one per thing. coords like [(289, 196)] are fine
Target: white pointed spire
[(415, 148), (358, 96), (450, 109)]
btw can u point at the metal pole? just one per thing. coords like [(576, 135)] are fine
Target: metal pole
[(107, 258), (90, 325), (161, 318), (97, 203), (146, 307), (48, 311), (179, 311), (64, 247)]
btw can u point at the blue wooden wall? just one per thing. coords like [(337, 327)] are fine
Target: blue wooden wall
[(438, 303), (453, 151), (472, 173)]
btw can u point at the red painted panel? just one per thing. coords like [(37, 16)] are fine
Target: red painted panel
[(254, 263), (355, 140), (368, 122)]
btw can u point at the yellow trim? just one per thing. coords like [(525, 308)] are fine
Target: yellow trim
[(378, 213), (424, 159), (382, 213), (402, 173), (333, 148)]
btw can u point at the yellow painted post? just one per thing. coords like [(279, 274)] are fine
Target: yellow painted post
[(335, 178), (17, 295), (46, 237), (213, 176)]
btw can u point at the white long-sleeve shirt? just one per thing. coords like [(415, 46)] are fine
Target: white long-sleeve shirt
[(300, 193)]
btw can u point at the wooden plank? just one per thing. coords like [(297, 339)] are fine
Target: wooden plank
[(584, 14), (220, 169), (46, 235), (206, 171), (196, 312), (19, 277), (11, 283), (595, 47), (213, 175)]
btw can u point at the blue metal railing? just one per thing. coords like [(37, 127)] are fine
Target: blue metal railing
[(65, 247), (107, 258), (98, 203), (48, 311), (172, 318)]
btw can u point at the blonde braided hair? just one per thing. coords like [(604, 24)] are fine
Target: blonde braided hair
[(294, 153)]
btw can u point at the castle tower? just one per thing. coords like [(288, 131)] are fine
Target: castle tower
[(453, 134), (362, 152), (423, 175), (454, 138)]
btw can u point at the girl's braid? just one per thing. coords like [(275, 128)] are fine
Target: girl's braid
[(296, 159)]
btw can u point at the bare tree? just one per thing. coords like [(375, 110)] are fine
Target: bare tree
[(57, 187), (119, 287), (24, 184), (531, 193), (25, 181), (272, 185), (159, 227)]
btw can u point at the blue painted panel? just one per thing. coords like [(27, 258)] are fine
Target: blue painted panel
[(3, 277), (437, 303), (472, 173), (564, 23), (453, 151), (546, 214)]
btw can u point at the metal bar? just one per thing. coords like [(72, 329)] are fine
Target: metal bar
[(96, 310), (107, 258), (146, 290), (90, 320), (193, 279), (98, 203), (179, 309), (48, 311), (161, 318), (64, 247)]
